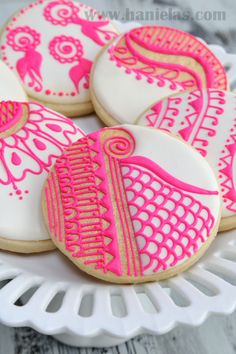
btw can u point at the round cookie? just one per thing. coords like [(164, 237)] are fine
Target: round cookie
[(207, 120), (51, 46), (127, 209), (150, 63), (31, 138), (10, 87)]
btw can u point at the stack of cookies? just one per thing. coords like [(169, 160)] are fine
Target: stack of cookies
[(141, 199)]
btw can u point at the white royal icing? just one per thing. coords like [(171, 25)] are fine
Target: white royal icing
[(123, 96)]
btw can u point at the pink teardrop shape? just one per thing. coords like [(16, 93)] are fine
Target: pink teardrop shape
[(15, 159), (39, 144), (54, 127)]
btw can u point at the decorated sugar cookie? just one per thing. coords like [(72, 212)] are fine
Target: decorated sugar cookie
[(31, 138), (10, 87), (150, 63), (124, 209), (51, 46), (207, 120)]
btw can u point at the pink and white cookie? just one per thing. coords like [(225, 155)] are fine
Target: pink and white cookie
[(127, 209), (31, 138), (51, 46), (150, 63), (10, 87), (207, 120)]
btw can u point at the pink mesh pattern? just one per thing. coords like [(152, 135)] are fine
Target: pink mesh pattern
[(169, 225)]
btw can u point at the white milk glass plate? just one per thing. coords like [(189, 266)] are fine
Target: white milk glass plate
[(46, 292)]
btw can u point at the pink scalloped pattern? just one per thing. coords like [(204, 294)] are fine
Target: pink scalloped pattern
[(169, 225)]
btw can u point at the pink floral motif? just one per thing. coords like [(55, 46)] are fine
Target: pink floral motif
[(25, 39), (67, 49), (33, 148), (65, 12)]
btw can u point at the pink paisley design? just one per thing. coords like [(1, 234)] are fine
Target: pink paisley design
[(65, 12), (33, 148), (26, 39), (127, 53), (67, 49), (123, 213)]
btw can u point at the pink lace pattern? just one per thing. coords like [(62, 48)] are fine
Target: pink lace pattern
[(166, 115), (123, 213), (34, 148), (65, 12), (199, 125), (66, 49), (166, 41), (26, 39)]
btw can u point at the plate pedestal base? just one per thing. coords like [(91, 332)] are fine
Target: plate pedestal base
[(80, 341)]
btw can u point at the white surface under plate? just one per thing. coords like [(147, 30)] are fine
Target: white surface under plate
[(48, 293)]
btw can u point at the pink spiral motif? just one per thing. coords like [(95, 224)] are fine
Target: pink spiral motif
[(66, 49), (60, 12), (119, 146), (21, 39)]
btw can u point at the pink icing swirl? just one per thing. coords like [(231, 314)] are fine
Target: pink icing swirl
[(22, 39), (119, 147), (66, 49), (58, 15)]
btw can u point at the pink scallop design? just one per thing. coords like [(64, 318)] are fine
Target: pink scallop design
[(65, 12), (169, 225), (66, 49), (131, 52), (25, 39), (34, 147), (123, 213)]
